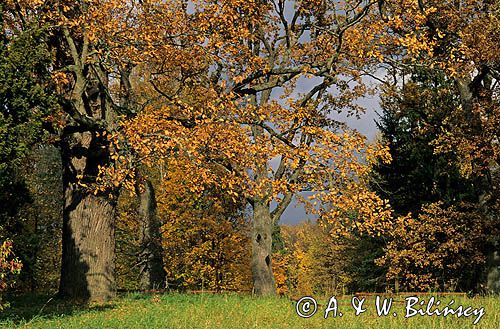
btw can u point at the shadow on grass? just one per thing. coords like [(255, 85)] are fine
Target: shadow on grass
[(28, 307)]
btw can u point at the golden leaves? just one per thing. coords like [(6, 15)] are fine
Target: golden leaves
[(204, 235), (205, 79), (436, 249), (60, 78)]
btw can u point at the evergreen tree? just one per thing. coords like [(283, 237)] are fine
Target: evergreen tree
[(443, 245), (410, 123), (26, 101)]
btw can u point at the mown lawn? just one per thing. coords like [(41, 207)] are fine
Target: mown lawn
[(229, 311)]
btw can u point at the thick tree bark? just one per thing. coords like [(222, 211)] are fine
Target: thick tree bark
[(152, 275), (263, 278), (264, 283), (87, 269)]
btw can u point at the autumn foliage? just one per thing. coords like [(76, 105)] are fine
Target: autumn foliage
[(232, 110), (9, 267), (442, 249), (204, 235)]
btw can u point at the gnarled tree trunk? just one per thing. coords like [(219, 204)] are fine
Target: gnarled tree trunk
[(263, 278), (88, 248), (88, 255)]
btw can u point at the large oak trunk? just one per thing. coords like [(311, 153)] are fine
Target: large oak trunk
[(263, 278), (88, 247), (88, 255), (152, 275)]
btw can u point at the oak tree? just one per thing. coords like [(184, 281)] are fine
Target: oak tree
[(253, 108)]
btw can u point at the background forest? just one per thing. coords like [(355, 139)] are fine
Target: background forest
[(150, 145)]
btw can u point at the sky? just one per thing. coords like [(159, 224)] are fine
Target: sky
[(295, 213)]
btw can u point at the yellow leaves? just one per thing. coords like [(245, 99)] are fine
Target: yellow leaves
[(438, 247), (416, 44), (129, 185), (311, 261), (238, 79), (440, 34), (204, 249), (378, 153), (430, 10), (280, 264), (396, 22), (352, 208), (60, 78)]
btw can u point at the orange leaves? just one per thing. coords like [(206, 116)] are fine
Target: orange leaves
[(204, 234), (437, 250), (60, 78), (311, 262), (220, 93)]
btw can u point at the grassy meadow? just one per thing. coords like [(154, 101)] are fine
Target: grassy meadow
[(228, 311)]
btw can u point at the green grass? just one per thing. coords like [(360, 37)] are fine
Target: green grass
[(226, 311)]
